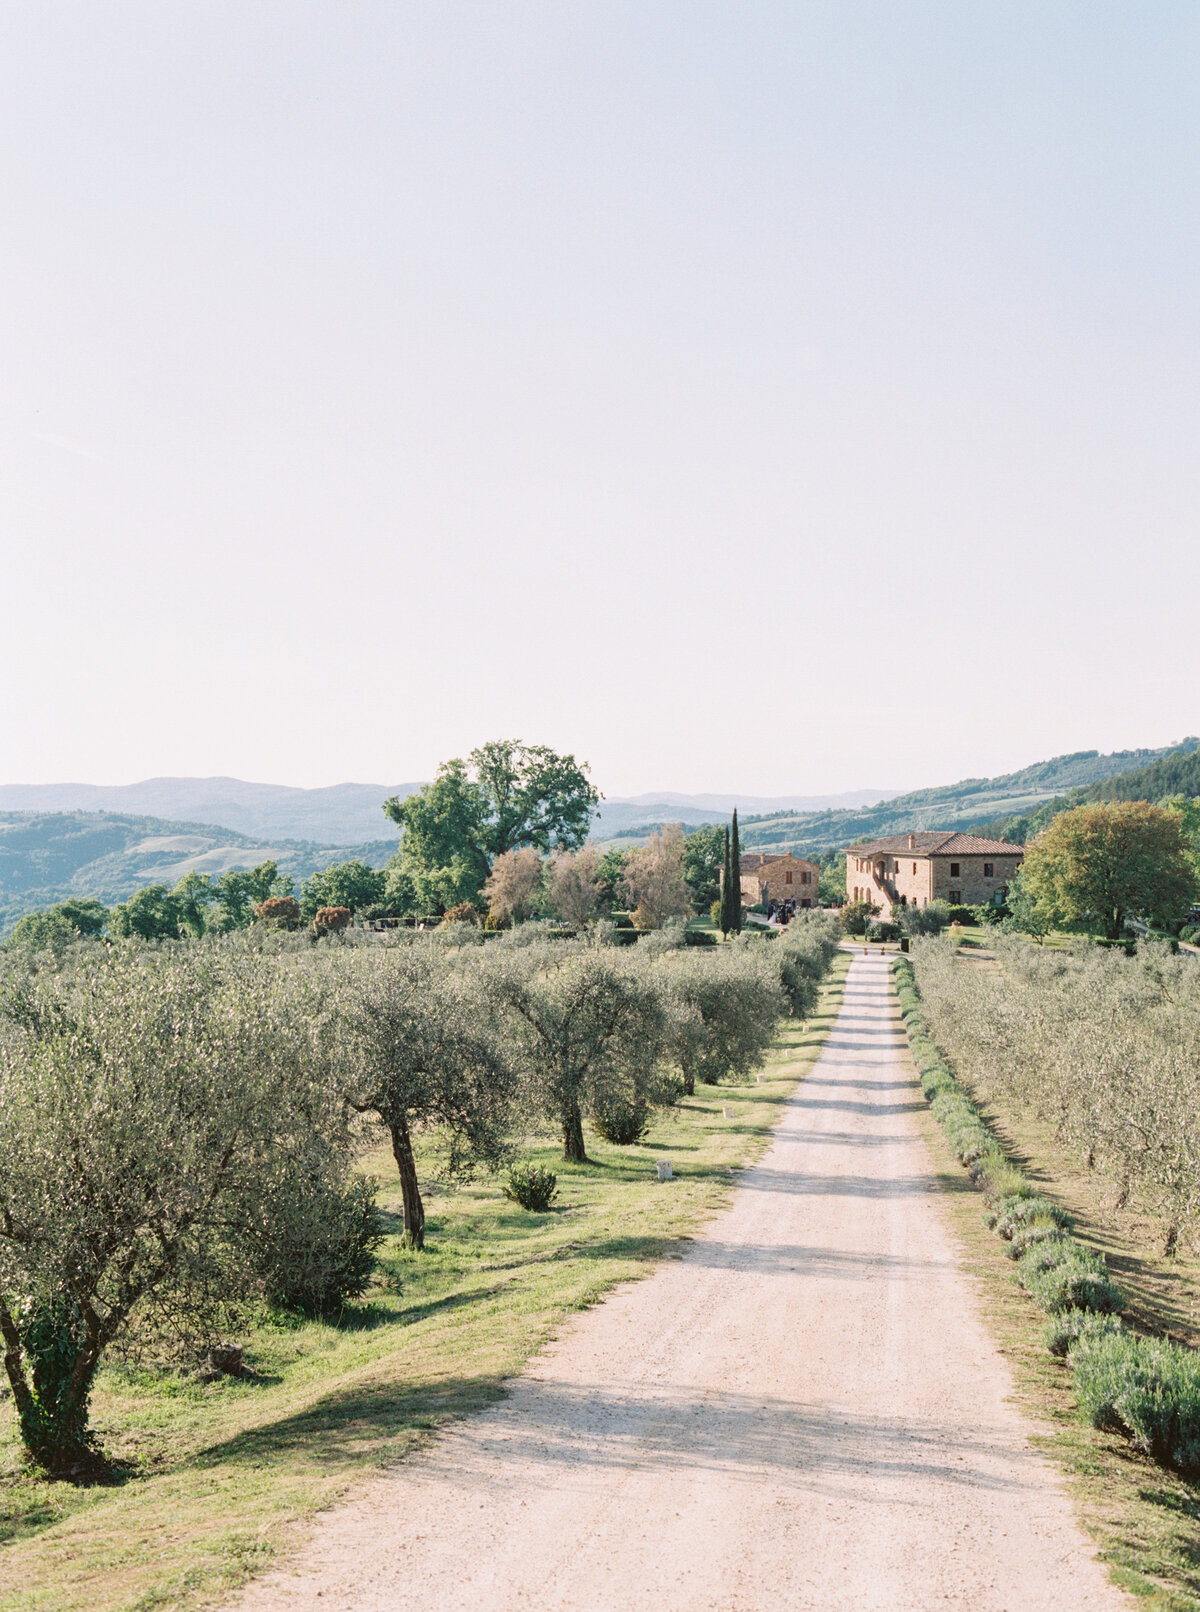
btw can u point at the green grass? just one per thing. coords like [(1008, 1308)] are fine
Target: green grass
[(222, 1477)]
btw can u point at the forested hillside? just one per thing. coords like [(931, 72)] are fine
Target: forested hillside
[(1009, 798), (1177, 773), (47, 856)]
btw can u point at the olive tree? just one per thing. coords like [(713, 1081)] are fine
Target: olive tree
[(420, 1051), (803, 954), (163, 1109), (725, 1007), (587, 1027)]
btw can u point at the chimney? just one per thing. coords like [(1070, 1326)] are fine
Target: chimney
[(912, 842)]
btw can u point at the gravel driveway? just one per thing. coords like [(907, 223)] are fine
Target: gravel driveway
[(802, 1412)]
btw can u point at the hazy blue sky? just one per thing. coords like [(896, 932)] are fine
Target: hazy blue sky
[(778, 397)]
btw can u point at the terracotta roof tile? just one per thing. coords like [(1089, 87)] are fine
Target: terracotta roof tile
[(937, 842)]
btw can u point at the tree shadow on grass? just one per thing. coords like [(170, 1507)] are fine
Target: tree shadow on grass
[(356, 1421)]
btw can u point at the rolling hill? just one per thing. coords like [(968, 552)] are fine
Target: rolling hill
[(341, 814), (1009, 798), (348, 814), (47, 856), (1174, 774)]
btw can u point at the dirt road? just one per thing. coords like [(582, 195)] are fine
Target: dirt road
[(803, 1412)]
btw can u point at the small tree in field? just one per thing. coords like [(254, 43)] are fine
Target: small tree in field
[(1097, 865), (421, 1054), (511, 888), (586, 1027), (654, 883), (575, 887)]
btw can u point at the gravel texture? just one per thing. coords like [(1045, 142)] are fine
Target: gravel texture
[(804, 1411)]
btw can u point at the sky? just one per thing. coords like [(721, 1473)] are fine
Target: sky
[(780, 397)]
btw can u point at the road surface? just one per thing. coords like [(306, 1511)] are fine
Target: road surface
[(804, 1411)]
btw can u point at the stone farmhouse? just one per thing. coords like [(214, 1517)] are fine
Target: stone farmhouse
[(768, 877), (915, 869)]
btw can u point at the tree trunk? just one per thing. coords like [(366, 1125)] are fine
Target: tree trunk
[(689, 1084), (574, 1151), (14, 1366), (72, 1411), (410, 1191), (1116, 925)]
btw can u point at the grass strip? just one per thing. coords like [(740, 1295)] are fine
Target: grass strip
[(221, 1477)]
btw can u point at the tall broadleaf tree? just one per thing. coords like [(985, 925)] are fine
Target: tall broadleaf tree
[(506, 796)]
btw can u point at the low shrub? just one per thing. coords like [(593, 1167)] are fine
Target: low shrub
[(855, 916), (881, 930), (1145, 1388), (281, 912), (1003, 1180), (331, 920), (960, 915), (316, 1251), (1027, 1236), (1070, 1327), (532, 1186), (623, 1120), (1059, 1273), (463, 912), (1012, 1214)]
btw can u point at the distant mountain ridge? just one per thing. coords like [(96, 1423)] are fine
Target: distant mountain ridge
[(347, 814), (340, 814)]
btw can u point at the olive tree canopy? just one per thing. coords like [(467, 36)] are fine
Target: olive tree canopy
[(164, 1111)]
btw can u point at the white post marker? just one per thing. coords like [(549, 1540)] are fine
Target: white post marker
[(664, 1170), (726, 1113)]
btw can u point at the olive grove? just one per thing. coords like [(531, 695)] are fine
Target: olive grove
[(1104, 1048)]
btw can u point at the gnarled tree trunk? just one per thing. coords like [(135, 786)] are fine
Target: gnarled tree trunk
[(410, 1192)]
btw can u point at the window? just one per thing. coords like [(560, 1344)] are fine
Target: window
[(787, 878), (914, 867), (806, 878), (956, 898), (987, 869), (954, 866)]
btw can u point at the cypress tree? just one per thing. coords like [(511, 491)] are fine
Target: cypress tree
[(735, 865), (726, 886)]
